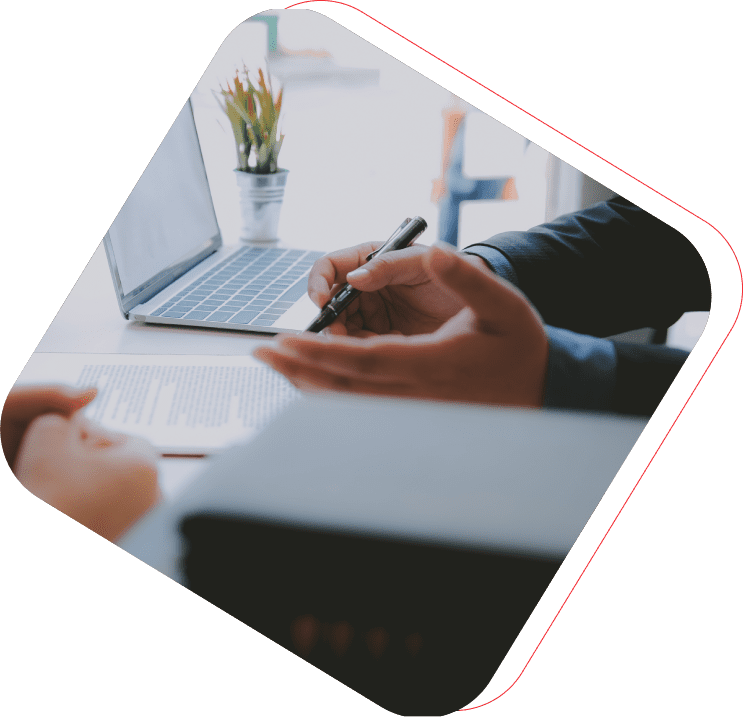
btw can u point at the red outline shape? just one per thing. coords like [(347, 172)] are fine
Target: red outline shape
[(740, 306)]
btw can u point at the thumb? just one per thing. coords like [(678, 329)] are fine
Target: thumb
[(393, 269), (24, 403), (497, 305)]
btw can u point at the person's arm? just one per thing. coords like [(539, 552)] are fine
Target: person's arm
[(589, 373), (583, 372), (604, 270)]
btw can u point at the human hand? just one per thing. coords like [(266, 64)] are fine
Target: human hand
[(400, 296), (26, 403), (493, 350), (103, 480)]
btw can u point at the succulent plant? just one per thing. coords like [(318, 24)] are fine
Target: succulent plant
[(254, 116)]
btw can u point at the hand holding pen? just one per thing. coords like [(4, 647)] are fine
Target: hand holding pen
[(403, 236)]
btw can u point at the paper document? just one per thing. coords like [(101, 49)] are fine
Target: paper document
[(183, 405)]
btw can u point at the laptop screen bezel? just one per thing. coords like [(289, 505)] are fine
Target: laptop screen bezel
[(156, 283)]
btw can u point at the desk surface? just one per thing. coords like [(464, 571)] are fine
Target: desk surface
[(357, 190), (90, 322), (366, 185)]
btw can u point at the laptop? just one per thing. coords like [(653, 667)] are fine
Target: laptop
[(168, 262)]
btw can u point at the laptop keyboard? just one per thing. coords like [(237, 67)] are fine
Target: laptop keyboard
[(253, 286)]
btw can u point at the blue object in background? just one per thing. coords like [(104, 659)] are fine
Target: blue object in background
[(460, 189)]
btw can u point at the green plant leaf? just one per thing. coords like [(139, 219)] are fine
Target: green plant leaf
[(253, 115)]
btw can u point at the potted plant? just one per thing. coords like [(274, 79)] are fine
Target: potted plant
[(254, 115)]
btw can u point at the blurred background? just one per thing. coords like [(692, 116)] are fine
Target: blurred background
[(370, 141)]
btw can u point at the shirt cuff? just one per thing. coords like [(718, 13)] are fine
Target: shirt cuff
[(581, 371), (498, 261)]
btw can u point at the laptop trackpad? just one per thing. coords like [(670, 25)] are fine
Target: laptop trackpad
[(298, 317)]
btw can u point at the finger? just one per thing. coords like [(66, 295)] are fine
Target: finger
[(337, 328), (350, 328), (365, 334), (353, 325), (496, 303), (339, 325), (372, 314), (380, 360), (95, 435), (354, 321), (136, 446), (367, 313), (331, 270), (26, 403), (311, 378), (404, 267), (46, 435), (46, 427)]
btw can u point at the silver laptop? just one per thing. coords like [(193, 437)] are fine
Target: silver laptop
[(169, 265)]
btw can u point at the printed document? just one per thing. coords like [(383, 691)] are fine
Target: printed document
[(183, 405)]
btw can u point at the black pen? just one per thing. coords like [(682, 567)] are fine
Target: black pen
[(403, 236)]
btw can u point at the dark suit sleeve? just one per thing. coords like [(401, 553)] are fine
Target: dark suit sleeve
[(644, 374), (604, 270), (607, 269)]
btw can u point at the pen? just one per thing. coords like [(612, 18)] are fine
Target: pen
[(403, 236)]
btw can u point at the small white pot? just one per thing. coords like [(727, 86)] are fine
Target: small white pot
[(261, 196)]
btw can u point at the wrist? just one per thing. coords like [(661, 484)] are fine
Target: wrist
[(477, 260), (494, 260)]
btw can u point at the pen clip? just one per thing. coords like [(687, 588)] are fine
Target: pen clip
[(394, 235)]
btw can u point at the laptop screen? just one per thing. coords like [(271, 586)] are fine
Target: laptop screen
[(169, 215)]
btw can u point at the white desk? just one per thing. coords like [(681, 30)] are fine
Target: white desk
[(355, 189), (90, 322)]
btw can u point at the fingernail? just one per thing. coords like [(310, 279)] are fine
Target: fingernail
[(88, 395), (292, 346), (360, 273), (285, 342)]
